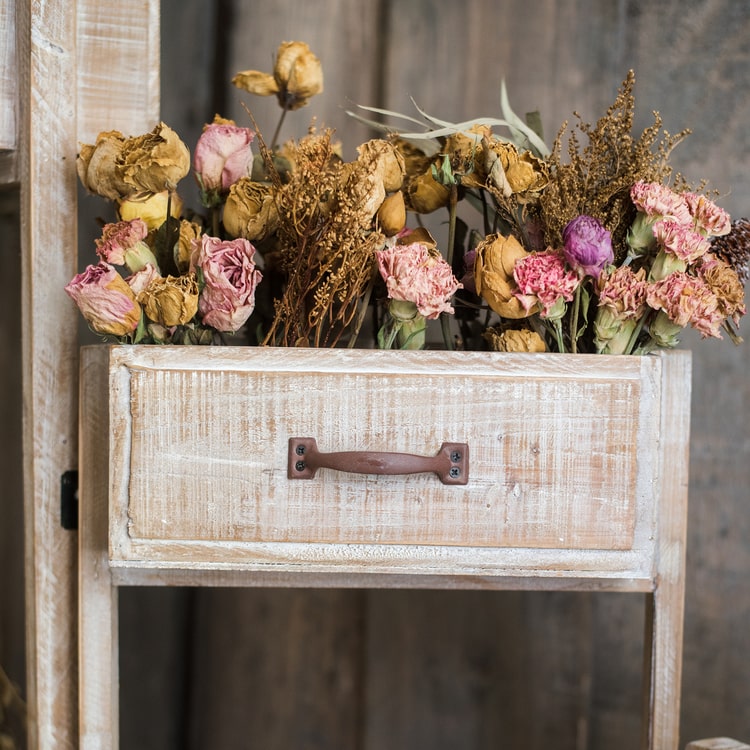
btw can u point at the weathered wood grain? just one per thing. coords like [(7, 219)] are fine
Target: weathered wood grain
[(47, 148), (346, 36), (197, 550), (9, 83), (118, 56)]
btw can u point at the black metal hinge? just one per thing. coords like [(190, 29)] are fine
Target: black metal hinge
[(69, 500)]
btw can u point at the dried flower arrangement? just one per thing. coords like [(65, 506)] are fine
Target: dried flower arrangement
[(594, 247)]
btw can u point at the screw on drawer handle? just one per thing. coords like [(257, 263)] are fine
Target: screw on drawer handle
[(451, 463)]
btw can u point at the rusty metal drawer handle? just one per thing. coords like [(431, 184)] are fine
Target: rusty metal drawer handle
[(451, 463)]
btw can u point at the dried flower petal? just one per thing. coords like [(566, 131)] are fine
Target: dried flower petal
[(496, 257)]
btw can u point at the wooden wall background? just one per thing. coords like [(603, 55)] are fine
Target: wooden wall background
[(235, 668)]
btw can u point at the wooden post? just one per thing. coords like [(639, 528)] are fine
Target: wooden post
[(47, 140), (80, 71)]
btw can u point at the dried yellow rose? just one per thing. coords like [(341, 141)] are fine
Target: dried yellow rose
[(250, 210), (493, 275), (151, 208), (297, 77), (154, 162), (183, 251), (514, 340), (171, 301), (97, 166)]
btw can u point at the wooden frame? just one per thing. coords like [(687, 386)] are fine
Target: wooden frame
[(126, 542), (69, 64)]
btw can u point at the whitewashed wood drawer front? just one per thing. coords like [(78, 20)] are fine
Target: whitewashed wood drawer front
[(564, 467)]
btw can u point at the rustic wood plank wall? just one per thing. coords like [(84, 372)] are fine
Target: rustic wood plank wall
[(329, 669)]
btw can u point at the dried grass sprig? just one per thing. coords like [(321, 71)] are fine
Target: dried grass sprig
[(596, 178)]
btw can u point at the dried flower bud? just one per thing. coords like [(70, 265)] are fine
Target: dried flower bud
[(250, 210), (183, 250), (297, 76), (392, 214), (425, 194), (514, 340), (171, 301)]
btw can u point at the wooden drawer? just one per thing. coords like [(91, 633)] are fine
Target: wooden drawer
[(564, 467)]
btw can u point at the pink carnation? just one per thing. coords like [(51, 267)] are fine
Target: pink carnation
[(687, 300), (681, 240), (119, 238), (709, 218), (623, 292), (543, 278), (658, 201), (230, 277), (413, 275)]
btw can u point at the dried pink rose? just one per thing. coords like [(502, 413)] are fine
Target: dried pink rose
[(105, 300), (587, 246), (222, 156), (411, 273), (230, 277), (710, 219), (122, 244), (687, 300), (543, 279), (140, 280)]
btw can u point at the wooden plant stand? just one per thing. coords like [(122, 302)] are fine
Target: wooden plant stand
[(562, 472)]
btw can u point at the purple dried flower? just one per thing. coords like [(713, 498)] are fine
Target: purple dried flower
[(587, 246)]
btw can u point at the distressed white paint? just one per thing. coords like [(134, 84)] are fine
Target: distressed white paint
[(186, 450)]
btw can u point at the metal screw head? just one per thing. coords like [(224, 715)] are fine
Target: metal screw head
[(455, 472), (300, 450), (300, 466), (455, 456)]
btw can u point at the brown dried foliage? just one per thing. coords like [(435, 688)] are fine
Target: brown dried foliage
[(596, 179), (326, 248)]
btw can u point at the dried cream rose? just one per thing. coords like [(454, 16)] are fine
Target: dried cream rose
[(386, 162), (297, 77), (493, 275)]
